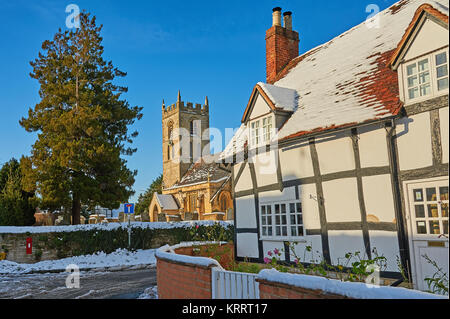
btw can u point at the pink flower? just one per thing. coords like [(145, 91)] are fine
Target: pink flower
[(196, 226), (269, 253), (276, 251), (296, 261), (266, 260)]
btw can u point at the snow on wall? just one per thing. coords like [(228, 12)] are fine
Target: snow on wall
[(355, 290), (168, 253)]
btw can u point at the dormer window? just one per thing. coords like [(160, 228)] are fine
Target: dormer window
[(267, 129), (426, 77), (442, 71), (418, 79), (255, 137)]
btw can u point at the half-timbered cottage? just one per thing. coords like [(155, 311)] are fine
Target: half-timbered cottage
[(345, 147)]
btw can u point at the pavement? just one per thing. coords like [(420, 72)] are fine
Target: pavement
[(94, 284)]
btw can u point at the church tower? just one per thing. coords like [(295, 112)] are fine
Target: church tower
[(184, 138)]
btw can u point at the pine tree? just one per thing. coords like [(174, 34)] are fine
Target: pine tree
[(82, 123)]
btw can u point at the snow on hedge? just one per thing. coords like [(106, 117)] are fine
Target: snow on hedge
[(355, 290), (118, 259), (107, 226)]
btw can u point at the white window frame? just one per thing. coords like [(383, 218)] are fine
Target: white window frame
[(267, 127), (433, 78), (255, 136), (273, 221)]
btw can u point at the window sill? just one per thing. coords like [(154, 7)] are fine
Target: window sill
[(283, 239)]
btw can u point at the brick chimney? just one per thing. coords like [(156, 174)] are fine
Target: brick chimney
[(281, 44)]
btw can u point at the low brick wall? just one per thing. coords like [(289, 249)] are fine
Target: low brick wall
[(272, 290), (183, 281)]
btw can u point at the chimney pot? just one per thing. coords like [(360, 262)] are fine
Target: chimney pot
[(276, 16), (288, 20)]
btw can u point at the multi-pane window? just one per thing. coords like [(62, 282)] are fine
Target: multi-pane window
[(431, 210), (255, 133), (282, 220), (266, 220), (427, 76), (419, 79), (442, 71), (267, 128), (296, 219)]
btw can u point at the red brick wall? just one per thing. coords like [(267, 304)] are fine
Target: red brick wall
[(271, 290), (182, 281), (281, 48)]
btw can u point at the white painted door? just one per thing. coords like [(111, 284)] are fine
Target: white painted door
[(428, 225)]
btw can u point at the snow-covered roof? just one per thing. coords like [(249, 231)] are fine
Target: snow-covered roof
[(345, 81), (205, 168), (283, 98), (166, 201)]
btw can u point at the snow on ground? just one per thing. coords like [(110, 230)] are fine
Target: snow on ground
[(149, 293), (111, 226), (121, 258)]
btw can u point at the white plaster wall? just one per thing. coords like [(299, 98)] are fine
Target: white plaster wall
[(335, 154), (296, 162), (266, 165), (429, 38), (315, 242), (443, 114), (378, 197), (373, 148), (342, 242), (386, 244), (341, 200), (270, 246), (247, 245), (310, 206), (245, 212), (414, 142), (259, 108), (287, 194), (245, 181)]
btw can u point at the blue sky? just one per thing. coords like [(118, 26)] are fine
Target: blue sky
[(213, 48)]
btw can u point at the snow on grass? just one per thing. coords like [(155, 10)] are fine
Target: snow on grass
[(355, 290), (110, 226), (118, 259)]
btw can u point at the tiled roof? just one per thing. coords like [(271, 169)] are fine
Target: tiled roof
[(198, 172), (347, 80), (167, 201)]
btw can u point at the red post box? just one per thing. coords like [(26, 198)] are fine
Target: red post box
[(29, 246)]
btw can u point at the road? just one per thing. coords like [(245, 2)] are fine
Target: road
[(126, 284)]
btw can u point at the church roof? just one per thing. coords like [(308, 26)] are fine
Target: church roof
[(198, 173), (166, 202)]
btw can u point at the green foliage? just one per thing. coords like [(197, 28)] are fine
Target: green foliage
[(352, 267), (16, 205), (145, 199), (92, 241), (82, 124), (212, 233), (438, 283), (38, 254)]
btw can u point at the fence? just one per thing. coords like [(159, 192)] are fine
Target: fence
[(233, 285)]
